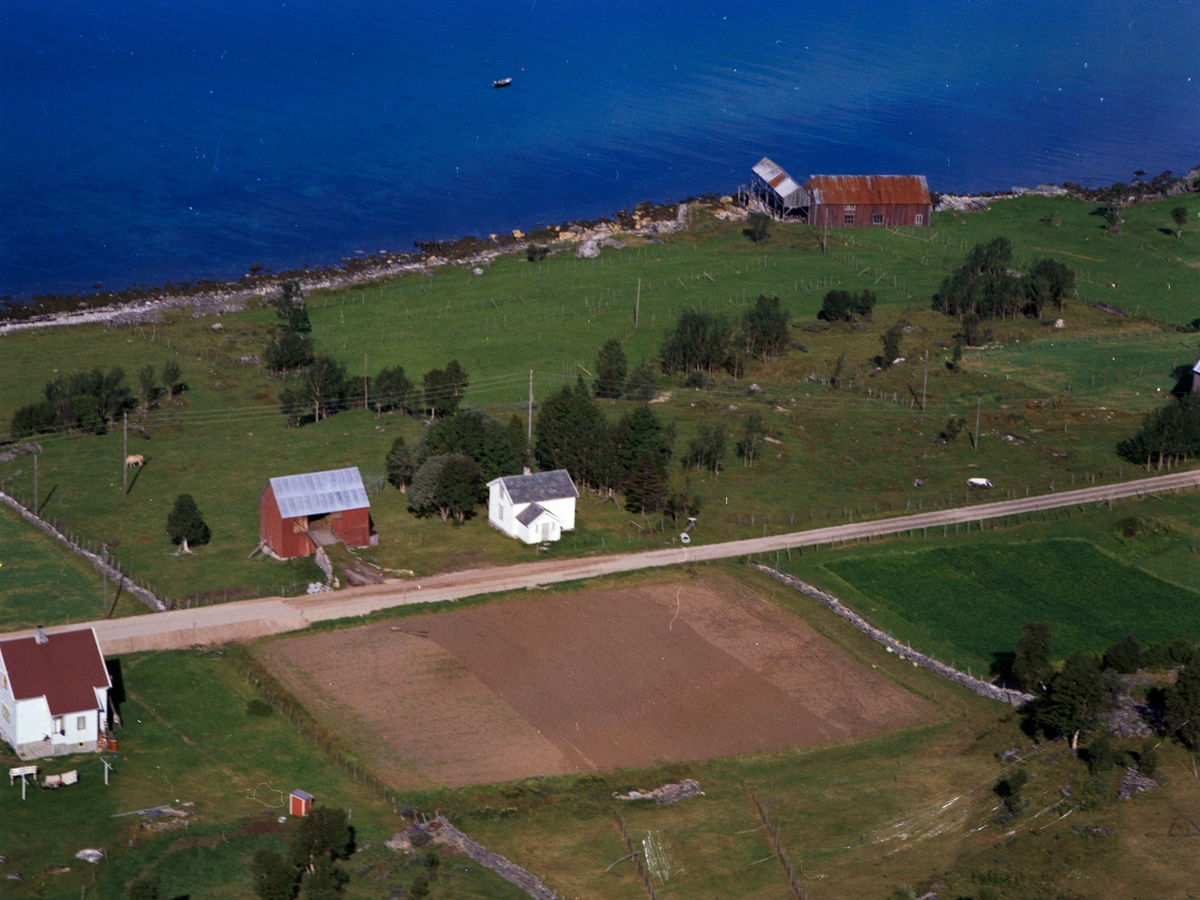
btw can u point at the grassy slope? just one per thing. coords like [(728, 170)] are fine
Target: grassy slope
[(187, 737), (964, 598), (40, 582), (840, 450)]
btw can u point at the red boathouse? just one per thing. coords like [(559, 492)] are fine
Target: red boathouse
[(858, 201), (298, 513)]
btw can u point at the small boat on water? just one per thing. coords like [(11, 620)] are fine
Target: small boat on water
[(503, 82)]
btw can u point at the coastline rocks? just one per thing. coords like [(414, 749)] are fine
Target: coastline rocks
[(588, 250)]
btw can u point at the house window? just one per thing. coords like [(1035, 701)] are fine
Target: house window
[(848, 219), (4, 681), (920, 219), (849, 207), (80, 723), (4, 712), (877, 218)]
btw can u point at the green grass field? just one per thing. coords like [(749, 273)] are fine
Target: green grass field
[(41, 582), (964, 598), (1052, 404)]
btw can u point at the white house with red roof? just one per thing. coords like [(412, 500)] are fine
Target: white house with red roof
[(53, 692)]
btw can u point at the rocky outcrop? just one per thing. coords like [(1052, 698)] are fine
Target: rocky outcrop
[(588, 250)]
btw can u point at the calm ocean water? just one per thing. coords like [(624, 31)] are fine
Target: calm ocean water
[(158, 140)]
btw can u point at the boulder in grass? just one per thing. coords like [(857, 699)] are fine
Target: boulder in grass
[(667, 794), (588, 250)]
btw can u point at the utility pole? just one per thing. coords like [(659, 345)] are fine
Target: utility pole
[(978, 406), (925, 385), (36, 505), (124, 454), (529, 437), (637, 304), (366, 398)]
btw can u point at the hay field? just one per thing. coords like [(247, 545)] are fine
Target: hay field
[(591, 680)]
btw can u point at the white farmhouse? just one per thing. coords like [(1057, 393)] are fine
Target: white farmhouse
[(533, 508), (53, 693)]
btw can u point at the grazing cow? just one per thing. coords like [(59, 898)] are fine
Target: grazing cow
[(134, 461)]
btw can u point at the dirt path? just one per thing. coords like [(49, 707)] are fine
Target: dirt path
[(249, 619)]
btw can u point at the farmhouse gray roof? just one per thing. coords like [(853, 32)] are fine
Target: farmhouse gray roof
[(556, 485), (529, 514), (316, 493)]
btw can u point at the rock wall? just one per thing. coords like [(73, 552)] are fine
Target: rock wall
[(101, 565), (979, 686), (445, 833)]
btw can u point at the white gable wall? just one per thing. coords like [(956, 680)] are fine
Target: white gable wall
[(26, 724), (502, 514)]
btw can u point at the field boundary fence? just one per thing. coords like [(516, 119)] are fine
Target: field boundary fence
[(978, 685), (772, 829), (638, 862), (100, 561)]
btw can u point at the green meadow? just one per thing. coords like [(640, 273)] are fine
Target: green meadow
[(1095, 576), (1051, 404)]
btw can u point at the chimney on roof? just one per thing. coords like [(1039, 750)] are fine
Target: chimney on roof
[(525, 470), (39, 635)]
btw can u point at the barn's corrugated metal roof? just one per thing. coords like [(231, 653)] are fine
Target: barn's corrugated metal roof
[(529, 514), (66, 670), (780, 181), (316, 493), (879, 190), (555, 485)]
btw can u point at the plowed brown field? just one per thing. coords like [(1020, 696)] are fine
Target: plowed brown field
[(552, 684)]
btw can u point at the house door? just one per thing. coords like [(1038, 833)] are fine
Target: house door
[(545, 531)]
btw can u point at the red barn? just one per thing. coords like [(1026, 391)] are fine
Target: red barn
[(857, 201), (298, 513)]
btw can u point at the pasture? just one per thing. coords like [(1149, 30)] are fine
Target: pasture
[(1094, 576), (1051, 404)]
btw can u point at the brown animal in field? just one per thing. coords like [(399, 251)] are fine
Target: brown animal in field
[(134, 461)]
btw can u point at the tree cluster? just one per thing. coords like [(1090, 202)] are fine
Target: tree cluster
[(291, 349), (310, 868), (629, 455), (87, 401), (446, 473), (1070, 701), (842, 306), (985, 286), (1168, 434), (702, 341), (614, 380)]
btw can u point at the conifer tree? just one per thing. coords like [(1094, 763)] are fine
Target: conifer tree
[(611, 369), (185, 525), (646, 485)]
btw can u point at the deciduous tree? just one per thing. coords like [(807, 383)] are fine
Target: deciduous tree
[(1075, 699), (765, 329), (1032, 663), (401, 464), (1179, 215)]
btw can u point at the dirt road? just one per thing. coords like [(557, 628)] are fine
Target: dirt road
[(249, 619)]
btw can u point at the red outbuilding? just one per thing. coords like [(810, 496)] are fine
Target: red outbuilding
[(298, 513), (857, 201), (300, 803)]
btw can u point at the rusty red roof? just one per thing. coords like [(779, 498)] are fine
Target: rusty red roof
[(878, 190), (65, 670)]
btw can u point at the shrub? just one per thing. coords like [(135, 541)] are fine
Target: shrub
[(260, 708), (759, 229), (842, 306), (1125, 656)]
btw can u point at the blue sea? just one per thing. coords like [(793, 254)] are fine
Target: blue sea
[(158, 140)]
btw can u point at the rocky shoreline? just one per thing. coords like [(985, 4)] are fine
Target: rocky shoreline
[(647, 220)]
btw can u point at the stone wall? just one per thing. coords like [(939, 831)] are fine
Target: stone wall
[(979, 686), (100, 564)]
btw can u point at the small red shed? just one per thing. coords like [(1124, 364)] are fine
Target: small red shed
[(298, 513), (856, 201), (300, 802)]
